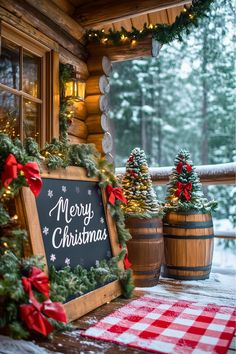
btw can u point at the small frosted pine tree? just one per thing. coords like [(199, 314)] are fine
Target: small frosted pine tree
[(184, 190), (137, 187)]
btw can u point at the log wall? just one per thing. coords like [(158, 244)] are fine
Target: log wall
[(97, 104), (90, 123)]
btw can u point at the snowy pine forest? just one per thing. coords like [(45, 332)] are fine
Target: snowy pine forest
[(184, 98)]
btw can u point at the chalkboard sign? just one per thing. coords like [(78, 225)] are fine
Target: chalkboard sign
[(69, 224)]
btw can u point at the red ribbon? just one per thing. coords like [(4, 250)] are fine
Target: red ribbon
[(183, 189), (115, 193), (34, 315), (180, 166), (38, 279), (127, 263), (133, 174), (30, 170)]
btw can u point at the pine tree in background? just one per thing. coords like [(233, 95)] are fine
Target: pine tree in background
[(137, 187), (185, 190)]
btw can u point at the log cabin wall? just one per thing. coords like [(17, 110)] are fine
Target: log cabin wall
[(64, 44)]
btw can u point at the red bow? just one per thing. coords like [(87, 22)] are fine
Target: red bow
[(180, 166), (115, 193), (127, 263), (38, 279), (30, 170), (133, 174), (131, 158), (183, 189), (33, 315)]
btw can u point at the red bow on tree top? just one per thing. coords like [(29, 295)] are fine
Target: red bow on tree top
[(30, 171), (180, 166), (115, 193), (38, 279), (183, 189), (33, 315)]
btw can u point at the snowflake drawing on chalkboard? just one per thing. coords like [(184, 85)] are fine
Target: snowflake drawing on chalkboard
[(67, 261), (64, 189), (97, 263), (102, 220), (53, 257), (77, 190), (50, 193), (45, 230), (89, 192)]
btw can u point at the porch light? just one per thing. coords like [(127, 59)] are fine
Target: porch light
[(75, 89)]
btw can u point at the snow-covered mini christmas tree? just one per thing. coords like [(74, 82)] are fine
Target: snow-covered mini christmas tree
[(137, 187), (184, 189)]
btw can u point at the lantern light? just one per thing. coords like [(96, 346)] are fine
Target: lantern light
[(75, 89)]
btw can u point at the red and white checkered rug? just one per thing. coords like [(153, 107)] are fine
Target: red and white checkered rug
[(168, 326)]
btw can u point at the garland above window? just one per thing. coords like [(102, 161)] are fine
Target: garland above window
[(163, 33)]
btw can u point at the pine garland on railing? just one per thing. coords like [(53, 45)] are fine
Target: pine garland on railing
[(163, 33)]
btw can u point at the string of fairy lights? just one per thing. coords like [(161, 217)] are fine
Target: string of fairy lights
[(163, 33)]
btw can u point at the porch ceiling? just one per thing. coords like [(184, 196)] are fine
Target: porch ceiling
[(116, 14)]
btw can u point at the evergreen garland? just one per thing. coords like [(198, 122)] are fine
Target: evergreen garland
[(184, 190), (66, 282), (163, 33)]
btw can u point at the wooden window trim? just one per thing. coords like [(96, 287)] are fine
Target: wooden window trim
[(49, 76)]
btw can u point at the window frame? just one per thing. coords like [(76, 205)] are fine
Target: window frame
[(49, 82)]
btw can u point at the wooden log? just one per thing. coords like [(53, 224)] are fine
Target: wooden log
[(110, 158), (126, 51), (32, 17), (24, 27), (80, 65), (65, 6), (97, 123), (103, 142), (78, 128), (102, 14), (75, 140), (97, 103), (67, 23), (97, 84), (79, 110), (99, 64)]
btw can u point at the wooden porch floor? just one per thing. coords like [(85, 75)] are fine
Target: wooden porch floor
[(219, 289)]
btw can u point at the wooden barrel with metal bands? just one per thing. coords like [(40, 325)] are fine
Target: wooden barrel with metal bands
[(188, 245), (146, 250)]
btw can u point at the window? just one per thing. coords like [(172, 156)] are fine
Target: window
[(25, 84)]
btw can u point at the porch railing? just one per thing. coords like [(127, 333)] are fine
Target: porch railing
[(209, 175)]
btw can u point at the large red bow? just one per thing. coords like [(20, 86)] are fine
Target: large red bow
[(183, 189), (30, 170), (38, 279), (33, 315), (115, 193), (180, 165)]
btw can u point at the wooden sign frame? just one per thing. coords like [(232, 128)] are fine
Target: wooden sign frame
[(28, 213)]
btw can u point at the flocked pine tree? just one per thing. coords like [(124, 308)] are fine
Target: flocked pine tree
[(184, 189), (137, 187)]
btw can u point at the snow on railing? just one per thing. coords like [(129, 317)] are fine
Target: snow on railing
[(209, 174)]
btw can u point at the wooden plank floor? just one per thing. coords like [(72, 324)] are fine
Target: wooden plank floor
[(215, 290)]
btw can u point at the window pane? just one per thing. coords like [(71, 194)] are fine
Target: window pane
[(9, 113), (31, 119), (9, 64), (31, 74)]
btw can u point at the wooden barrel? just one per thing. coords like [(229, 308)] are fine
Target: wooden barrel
[(146, 250), (188, 245)]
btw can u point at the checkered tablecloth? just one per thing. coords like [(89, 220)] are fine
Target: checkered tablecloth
[(168, 326)]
